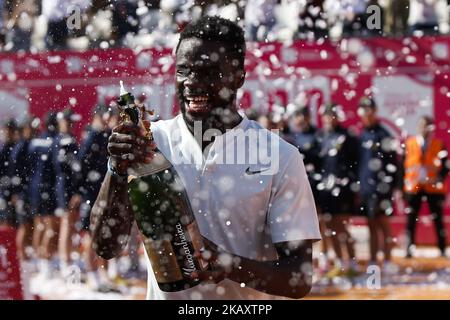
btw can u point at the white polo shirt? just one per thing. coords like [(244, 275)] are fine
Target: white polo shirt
[(243, 206)]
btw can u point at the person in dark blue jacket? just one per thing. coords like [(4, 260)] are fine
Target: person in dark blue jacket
[(20, 171), (377, 173), (303, 135), (43, 196), (7, 215), (68, 173), (93, 157), (338, 159)]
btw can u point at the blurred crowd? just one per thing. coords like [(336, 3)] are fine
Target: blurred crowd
[(49, 180), (365, 174), (48, 183), (82, 24)]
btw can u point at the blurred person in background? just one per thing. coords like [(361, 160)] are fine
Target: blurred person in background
[(264, 121), (233, 10), (85, 133), (67, 169), (377, 173), (425, 168), (21, 169), (54, 12), (10, 137), (313, 20), (43, 197), (125, 21), (252, 114), (353, 14), (149, 15), (277, 120), (98, 24), (274, 120), (259, 19), (428, 17), (397, 13), (338, 158), (163, 30), (21, 25), (3, 19), (59, 27), (355, 18), (93, 157), (303, 135)]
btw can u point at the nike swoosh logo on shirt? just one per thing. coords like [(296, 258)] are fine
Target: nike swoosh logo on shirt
[(254, 172)]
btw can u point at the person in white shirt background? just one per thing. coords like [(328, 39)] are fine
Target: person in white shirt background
[(262, 219)]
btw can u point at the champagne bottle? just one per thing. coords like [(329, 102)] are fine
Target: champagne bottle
[(163, 213)]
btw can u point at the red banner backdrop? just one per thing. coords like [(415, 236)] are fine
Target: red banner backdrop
[(10, 285), (408, 78)]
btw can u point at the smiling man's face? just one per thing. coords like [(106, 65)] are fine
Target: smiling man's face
[(207, 78)]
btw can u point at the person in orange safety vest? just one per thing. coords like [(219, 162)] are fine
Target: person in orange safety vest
[(425, 167)]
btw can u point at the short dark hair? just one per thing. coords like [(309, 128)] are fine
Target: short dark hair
[(302, 110), (329, 109), (51, 121), (214, 28), (11, 124)]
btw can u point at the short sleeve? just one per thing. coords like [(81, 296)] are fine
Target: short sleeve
[(292, 212)]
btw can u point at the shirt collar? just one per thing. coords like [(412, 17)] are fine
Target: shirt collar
[(193, 151)]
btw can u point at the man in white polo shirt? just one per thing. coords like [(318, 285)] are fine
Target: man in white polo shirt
[(247, 187)]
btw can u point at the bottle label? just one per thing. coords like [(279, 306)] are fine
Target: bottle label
[(164, 216), (163, 260), (182, 245), (174, 260), (197, 241)]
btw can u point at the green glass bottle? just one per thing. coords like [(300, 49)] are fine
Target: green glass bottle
[(164, 216)]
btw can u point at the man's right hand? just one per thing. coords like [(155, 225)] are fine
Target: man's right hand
[(128, 144)]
